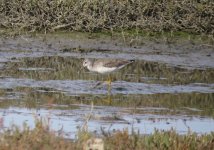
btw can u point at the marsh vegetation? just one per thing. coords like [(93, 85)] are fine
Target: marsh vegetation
[(41, 137), (147, 15)]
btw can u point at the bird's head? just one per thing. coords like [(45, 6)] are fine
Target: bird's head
[(86, 63)]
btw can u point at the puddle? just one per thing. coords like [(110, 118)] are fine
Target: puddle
[(161, 90), (110, 119)]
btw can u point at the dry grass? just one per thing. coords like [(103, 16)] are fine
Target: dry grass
[(160, 140), (42, 138), (94, 15)]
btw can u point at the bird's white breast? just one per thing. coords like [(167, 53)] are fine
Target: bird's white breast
[(102, 69)]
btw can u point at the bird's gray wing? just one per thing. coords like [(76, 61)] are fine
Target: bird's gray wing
[(115, 63)]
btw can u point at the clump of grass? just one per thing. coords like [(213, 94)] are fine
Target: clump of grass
[(159, 140), (84, 15), (40, 138)]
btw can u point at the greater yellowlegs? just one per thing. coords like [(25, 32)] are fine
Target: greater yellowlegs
[(105, 66)]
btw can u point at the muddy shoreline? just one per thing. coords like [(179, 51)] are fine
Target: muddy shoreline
[(181, 53)]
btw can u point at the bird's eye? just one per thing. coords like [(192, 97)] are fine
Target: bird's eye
[(84, 63)]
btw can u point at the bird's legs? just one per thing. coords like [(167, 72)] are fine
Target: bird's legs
[(109, 84), (109, 99)]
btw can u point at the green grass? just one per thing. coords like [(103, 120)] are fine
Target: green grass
[(42, 138)]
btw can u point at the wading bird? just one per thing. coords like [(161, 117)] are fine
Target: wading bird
[(105, 66)]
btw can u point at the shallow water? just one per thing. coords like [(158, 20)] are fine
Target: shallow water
[(145, 95)]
